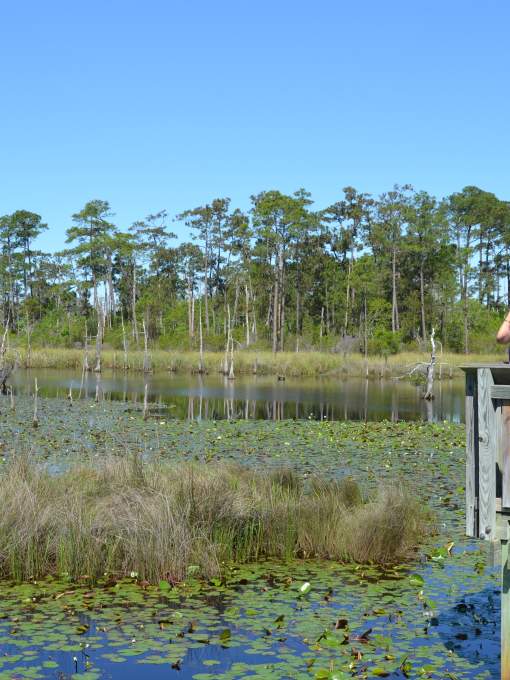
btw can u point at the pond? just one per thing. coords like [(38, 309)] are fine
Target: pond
[(257, 397), (433, 617)]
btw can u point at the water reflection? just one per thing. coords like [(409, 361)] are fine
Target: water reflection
[(254, 397)]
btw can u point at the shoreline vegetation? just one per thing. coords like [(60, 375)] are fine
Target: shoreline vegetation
[(251, 362), (97, 489), (156, 521)]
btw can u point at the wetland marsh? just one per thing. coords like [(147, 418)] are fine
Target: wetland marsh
[(436, 615)]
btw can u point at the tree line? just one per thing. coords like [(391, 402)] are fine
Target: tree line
[(368, 273)]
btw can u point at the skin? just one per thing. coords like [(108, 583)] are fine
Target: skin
[(503, 335)]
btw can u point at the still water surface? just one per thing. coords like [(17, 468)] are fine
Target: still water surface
[(256, 397)]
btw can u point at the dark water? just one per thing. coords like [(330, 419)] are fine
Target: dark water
[(257, 397)]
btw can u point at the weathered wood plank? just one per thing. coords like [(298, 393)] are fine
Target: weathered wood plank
[(488, 441), (500, 392), (498, 408), (471, 455), (505, 449)]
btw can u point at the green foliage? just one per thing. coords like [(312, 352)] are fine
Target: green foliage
[(290, 276), (384, 342)]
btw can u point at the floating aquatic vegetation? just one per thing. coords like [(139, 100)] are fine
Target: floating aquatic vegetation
[(252, 621)]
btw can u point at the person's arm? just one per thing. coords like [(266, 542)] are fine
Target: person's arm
[(503, 335)]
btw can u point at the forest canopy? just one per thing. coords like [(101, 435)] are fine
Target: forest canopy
[(380, 271)]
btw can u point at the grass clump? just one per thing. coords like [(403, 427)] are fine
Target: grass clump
[(158, 520), (289, 364)]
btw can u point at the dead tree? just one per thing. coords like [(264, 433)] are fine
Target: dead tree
[(124, 343), (5, 373), (28, 330), (146, 401), (201, 366), (146, 358), (231, 375), (35, 419), (3, 346), (99, 339), (86, 365), (429, 394)]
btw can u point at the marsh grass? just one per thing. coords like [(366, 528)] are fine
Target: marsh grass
[(158, 520), (289, 364)]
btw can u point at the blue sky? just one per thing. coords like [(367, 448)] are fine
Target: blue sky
[(164, 104)]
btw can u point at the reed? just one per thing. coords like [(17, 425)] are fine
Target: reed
[(286, 364), (158, 520)]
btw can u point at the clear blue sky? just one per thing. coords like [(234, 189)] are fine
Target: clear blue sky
[(154, 104)]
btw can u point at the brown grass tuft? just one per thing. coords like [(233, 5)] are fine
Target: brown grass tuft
[(158, 519)]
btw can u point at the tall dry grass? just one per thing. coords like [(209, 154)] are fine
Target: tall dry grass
[(289, 364), (159, 520)]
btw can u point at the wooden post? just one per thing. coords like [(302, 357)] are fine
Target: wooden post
[(505, 451), (471, 455), (488, 475), (487, 443)]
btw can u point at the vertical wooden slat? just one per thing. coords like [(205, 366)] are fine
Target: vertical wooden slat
[(498, 410), (471, 455), (487, 451), (505, 449)]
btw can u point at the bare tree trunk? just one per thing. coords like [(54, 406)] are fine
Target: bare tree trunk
[(231, 340), (236, 302), (282, 316), (201, 368), (99, 339), (124, 343), (270, 309), (429, 394), (365, 335), (206, 289), (3, 346), (466, 322), (35, 419), (111, 294), (146, 358), (395, 325), (29, 345), (247, 314), (254, 314), (133, 307), (190, 331), (96, 299), (297, 319), (275, 315), (227, 341), (86, 366), (422, 305), (347, 298), (145, 401)]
